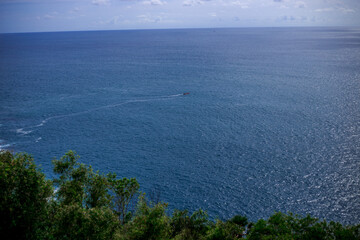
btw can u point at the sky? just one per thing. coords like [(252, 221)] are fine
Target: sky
[(83, 15)]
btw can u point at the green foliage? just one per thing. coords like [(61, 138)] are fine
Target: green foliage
[(239, 220), (184, 226), (23, 198), (90, 205), (76, 222), (72, 179), (149, 223), (97, 191), (83, 209), (229, 230), (289, 226), (225, 231), (78, 184), (125, 191)]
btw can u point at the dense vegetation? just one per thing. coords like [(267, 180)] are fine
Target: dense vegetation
[(90, 205)]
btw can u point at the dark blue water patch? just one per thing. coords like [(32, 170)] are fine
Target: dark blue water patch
[(271, 123)]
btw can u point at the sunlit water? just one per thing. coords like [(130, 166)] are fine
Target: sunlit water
[(272, 121)]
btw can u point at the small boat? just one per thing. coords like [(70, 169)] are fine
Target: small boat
[(186, 93)]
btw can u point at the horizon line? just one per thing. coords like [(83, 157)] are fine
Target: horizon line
[(180, 28)]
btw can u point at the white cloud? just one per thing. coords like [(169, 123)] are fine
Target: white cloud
[(48, 16), (112, 21), (300, 4), (324, 10), (241, 4), (154, 2), (347, 10), (149, 19), (287, 18), (189, 3), (341, 9), (166, 13), (74, 10), (101, 2)]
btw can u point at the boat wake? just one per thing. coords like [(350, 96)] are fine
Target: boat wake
[(3, 145), (30, 129)]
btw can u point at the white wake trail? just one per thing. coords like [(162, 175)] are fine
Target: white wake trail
[(29, 129)]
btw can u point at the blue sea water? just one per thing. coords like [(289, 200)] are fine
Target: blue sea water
[(272, 121)]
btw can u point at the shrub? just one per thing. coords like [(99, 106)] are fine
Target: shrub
[(24, 197)]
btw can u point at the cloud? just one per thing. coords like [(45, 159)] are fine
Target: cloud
[(101, 2), (287, 18), (300, 4), (324, 10), (189, 3), (74, 10), (112, 21), (48, 16), (341, 9), (33, 1), (241, 4), (149, 19), (154, 2), (278, 0), (347, 10)]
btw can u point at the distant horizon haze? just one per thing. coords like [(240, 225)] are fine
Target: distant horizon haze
[(200, 28), (19, 16)]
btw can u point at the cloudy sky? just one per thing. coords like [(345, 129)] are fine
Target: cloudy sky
[(73, 15)]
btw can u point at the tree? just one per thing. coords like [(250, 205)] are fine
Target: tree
[(76, 222), (24, 197), (225, 231), (83, 208), (290, 226), (90, 205), (149, 222), (97, 190), (184, 226), (239, 220), (78, 184), (125, 191), (72, 179)]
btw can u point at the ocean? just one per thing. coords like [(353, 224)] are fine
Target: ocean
[(271, 121)]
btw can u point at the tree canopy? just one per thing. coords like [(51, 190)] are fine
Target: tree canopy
[(81, 203)]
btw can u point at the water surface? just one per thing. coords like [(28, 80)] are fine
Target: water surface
[(272, 121)]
